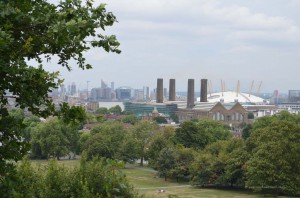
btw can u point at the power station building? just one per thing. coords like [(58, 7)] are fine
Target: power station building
[(230, 113)]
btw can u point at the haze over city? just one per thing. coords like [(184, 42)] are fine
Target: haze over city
[(217, 39)]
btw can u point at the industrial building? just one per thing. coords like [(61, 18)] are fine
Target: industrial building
[(228, 107), (141, 109)]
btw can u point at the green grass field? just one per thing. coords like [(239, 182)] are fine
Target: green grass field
[(147, 183)]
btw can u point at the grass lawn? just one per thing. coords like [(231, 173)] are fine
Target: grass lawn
[(146, 183), (65, 163)]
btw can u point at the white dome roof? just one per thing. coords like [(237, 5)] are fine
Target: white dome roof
[(231, 96)]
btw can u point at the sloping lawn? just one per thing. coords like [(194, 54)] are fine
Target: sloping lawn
[(147, 183)]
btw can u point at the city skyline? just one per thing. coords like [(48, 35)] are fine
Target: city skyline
[(226, 40)]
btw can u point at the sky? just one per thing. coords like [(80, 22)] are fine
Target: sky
[(227, 40)]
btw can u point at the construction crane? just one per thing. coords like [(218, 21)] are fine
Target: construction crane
[(250, 92), (222, 87), (238, 89), (258, 90), (209, 87)]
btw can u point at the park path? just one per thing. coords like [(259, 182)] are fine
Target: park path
[(165, 187)]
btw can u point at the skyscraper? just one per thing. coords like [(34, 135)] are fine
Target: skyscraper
[(73, 89)]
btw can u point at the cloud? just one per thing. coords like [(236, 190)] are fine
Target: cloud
[(214, 39)]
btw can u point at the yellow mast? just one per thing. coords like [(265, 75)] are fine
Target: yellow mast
[(250, 92), (258, 90)]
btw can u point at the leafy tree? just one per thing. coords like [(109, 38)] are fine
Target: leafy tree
[(115, 110), (91, 118), (220, 163), (187, 135), (250, 115), (53, 138), (30, 123), (184, 158), (111, 140), (131, 119), (160, 120), (159, 141), (246, 132), (199, 134), (275, 154), (175, 118), (142, 132), (102, 110), (166, 161), (96, 178), (31, 30), (17, 114)]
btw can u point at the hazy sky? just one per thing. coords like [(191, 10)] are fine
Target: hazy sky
[(227, 40)]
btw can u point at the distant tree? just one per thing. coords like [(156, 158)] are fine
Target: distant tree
[(54, 138), (250, 115), (115, 110), (220, 163), (175, 118), (131, 119), (166, 161), (159, 141), (160, 120), (246, 132), (199, 134), (30, 123), (184, 158), (18, 114), (110, 140), (102, 110), (94, 178), (142, 133)]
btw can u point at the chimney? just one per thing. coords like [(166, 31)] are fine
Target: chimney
[(172, 90), (203, 96), (190, 96), (159, 91)]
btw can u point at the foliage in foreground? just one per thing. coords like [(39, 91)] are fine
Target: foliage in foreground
[(38, 31), (95, 178)]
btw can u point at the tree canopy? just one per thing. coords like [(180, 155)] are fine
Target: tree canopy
[(35, 32)]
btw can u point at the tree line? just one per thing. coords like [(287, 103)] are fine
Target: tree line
[(203, 152)]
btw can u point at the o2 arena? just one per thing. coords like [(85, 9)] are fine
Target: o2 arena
[(231, 96)]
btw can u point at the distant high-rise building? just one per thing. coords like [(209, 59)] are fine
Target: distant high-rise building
[(124, 93), (294, 95), (139, 94), (146, 93), (103, 84), (112, 86), (73, 89), (62, 90), (69, 89), (100, 94)]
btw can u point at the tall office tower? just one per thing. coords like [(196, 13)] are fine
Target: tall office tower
[(73, 89), (146, 93), (112, 86)]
